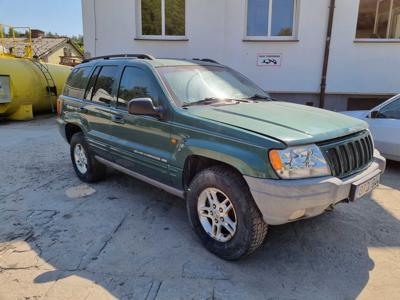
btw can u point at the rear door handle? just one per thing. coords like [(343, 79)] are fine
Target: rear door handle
[(83, 110), (118, 119)]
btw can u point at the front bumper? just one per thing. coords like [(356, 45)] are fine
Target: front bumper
[(280, 200)]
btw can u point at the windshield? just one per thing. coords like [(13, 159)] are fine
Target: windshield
[(190, 84)]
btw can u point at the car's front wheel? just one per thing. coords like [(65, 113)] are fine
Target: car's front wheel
[(223, 214), (85, 165)]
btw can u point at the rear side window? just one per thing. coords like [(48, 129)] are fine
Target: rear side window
[(92, 82), (136, 83), (77, 82), (103, 87)]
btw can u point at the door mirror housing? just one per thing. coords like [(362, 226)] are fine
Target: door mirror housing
[(144, 107), (374, 114)]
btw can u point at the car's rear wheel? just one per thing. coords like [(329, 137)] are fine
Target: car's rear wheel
[(85, 164), (223, 214)]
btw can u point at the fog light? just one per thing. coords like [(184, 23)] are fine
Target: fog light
[(297, 214)]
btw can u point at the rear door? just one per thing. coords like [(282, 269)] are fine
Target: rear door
[(99, 95), (141, 143), (386, 129)]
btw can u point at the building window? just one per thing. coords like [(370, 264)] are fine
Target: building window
[(271, 19), (163, 19), (67, 51), (378, 19)]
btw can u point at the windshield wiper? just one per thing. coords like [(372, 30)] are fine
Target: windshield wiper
[(261, 97), (212, 100), (204, 101)]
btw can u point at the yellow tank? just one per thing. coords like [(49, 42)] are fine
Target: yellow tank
[(24, 88)]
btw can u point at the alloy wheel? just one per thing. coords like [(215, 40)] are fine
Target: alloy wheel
[(217, 214)]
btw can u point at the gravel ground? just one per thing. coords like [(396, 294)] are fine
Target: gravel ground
[(121, 238)]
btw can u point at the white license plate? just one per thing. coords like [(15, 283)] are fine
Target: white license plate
[(366, 187)]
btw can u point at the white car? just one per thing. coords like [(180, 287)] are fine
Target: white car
[(384, 123)]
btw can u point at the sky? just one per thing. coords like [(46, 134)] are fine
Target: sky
[(58, 16)]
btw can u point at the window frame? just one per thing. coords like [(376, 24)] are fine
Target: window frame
[(269, 37), (163, 36), (377, 40)]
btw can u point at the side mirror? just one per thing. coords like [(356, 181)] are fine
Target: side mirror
[(145, 107), (374, 114)]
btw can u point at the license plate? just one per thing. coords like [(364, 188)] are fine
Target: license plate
[(359, 190)]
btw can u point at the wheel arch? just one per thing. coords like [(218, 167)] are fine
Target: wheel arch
[(70, 130), (194, 164)]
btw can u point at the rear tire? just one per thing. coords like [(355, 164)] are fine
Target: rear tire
[(85, 165), (242, 228)]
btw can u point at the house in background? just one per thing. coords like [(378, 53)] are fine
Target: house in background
[(58, 50), (342, 54)]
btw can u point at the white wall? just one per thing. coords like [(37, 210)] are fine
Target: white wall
[(216, 28), (368, 68)]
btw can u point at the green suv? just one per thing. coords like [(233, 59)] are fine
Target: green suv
[(205, 133)]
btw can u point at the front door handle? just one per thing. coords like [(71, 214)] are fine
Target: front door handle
[(83, 110), (118, 119)]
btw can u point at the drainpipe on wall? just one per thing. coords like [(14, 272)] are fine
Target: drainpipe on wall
[(326, 55)]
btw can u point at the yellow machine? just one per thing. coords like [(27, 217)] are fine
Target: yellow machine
[(27, 86)]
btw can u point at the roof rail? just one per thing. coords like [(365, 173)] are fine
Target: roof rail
[(207, 60), (140, 56)]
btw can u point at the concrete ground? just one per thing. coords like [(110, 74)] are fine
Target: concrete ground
[(124, 239)]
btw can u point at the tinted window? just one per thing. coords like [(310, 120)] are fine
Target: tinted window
[(92, 82), (136, 83), (102, 91), (76, 83), (391, 111)]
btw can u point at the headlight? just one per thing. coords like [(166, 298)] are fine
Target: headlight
[(299, 162)]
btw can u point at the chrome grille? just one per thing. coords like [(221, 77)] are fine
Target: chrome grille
[(350, 154)]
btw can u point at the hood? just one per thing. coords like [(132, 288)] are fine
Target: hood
[(359, 114), (290, 123)]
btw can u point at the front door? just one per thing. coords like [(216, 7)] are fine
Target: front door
[(141, 143)]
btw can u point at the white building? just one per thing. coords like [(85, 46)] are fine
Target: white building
[(280, 44)]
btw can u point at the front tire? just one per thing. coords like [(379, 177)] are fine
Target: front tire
[(223, 214), (85, 165)]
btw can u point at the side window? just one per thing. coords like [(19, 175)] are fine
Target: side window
[(391, 111), (136, 83), (378, 19), (92, 82), (77, 82), (162, 18), (102, 91), (271, 18)]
